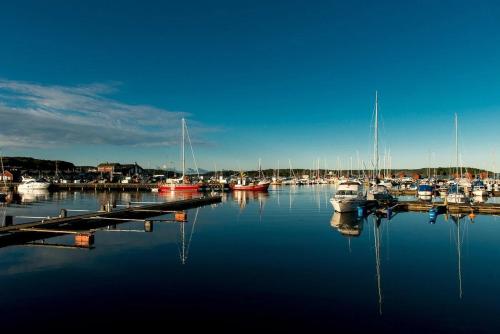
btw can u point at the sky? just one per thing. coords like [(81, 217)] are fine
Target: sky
[(280, 81)]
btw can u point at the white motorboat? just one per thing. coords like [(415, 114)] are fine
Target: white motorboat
[(32, 184), (348, 197)]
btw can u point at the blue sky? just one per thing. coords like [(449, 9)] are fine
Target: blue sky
[(101, 81)]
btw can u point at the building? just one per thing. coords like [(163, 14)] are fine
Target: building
[(116, 168), (6, 176)]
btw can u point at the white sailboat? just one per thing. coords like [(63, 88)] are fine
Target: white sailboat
[(378, 192), (456, 194), (182, 184)]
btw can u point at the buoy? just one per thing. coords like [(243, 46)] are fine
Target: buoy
[(180, 216), (361, 211)]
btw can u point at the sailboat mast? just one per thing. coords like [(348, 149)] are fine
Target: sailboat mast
[(183, 153), (375, 144), (456, 139)]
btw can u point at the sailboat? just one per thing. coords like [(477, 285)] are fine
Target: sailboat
[(378, 191), (456, 193), (182, 184)]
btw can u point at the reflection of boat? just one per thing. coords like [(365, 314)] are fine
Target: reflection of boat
[(376, 234), (348, 197), (243, 197), (251, 186), (32, 184), (459, 241), (184, 245), (347, 224), (182, 184), (33, 195)]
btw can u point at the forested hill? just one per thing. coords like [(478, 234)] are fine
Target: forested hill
[(38, 164)]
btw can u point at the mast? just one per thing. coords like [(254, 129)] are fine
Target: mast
[(375, 144), (3, 175), (183, 155), (456, 140)]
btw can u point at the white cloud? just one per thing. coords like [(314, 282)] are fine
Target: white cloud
[(35, 115)]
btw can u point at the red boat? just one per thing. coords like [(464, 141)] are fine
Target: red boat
[(184, 182), (178, 187), (261, 186)]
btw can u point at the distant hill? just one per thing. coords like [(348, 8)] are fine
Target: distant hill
[(36, 164)]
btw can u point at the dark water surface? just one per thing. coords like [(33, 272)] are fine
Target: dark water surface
[(278, 261)]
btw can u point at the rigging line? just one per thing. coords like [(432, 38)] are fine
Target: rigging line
[(192, 151)]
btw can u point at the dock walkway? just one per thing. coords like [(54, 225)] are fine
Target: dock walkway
[(11, 233)]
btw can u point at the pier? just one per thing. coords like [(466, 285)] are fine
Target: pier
[(82, 225), (483, 208)]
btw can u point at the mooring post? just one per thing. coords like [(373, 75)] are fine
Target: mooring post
[(148, 226), (63, 213), (9, 221)]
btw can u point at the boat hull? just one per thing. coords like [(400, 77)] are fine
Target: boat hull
[(178, 187), (347, 205), (255, 187), (456, 198), (33, 186)]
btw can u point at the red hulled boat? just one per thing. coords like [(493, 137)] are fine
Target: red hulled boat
[(261, 186)]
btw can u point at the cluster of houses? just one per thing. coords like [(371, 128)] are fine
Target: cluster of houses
[(104, 172)]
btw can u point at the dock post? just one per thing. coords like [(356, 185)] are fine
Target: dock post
[(9, 221), (63, 213), (148, 226)]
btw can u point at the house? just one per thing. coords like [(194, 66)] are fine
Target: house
[(6, 176)]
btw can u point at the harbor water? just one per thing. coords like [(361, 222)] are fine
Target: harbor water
[(260, 261)]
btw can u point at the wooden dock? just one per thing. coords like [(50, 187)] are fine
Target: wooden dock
[(82, 225), (483, 208)]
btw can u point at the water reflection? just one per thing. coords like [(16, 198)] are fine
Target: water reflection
[(376, 234), (34, 195), (244, 197), (459, 219), (347, 223)]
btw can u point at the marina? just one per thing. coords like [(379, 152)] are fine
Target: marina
[(216, 248)]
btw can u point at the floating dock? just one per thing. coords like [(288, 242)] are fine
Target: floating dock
[(483, 208), (82, 225)]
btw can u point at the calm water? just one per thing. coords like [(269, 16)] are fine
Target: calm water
[(281, 260)]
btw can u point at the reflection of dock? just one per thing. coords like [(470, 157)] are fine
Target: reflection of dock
[(485, 208), (82, 225)]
